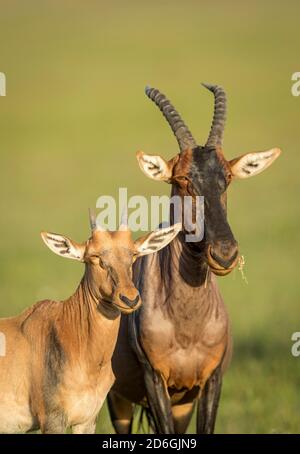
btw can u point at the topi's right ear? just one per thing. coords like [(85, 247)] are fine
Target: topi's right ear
[(63, 246), (155, 167)]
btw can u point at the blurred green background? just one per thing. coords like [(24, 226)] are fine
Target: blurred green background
[(74, 116)]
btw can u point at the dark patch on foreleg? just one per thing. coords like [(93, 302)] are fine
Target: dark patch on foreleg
[(159, 402), (54, 359), (208, 403), (54, 363)]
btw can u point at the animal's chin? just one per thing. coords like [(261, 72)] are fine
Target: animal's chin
[(119, 306), (221, 271), (125, 309)]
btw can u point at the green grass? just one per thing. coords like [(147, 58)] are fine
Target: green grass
[(75, 114)]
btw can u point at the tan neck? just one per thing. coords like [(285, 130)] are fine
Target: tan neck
[(86, 320), (89, 300)]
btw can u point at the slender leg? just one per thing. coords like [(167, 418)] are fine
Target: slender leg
[(208, 403), (121, 413), (159, 402), (86, 428), (182, 416)]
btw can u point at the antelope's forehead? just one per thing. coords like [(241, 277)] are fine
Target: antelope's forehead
[(109, 241), (208, 164)]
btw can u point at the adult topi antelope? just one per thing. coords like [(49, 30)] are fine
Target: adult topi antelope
[(56, 371), (180, 338)]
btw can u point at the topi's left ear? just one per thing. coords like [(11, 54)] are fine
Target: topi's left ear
[(251, 164)]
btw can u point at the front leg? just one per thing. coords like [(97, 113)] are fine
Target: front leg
[(159, 402), (208, 403), (156, 389), (121, 413)]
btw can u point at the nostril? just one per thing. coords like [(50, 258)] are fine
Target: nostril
[(131, 303), (137, 299)]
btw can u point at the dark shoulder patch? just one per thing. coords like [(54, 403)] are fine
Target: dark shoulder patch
[(54, 358)]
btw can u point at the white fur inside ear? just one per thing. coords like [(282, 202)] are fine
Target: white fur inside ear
[(157, 240), (252, 164), (154, 167), (63, 246)]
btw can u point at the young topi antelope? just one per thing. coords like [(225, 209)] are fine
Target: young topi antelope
[(56, 371)]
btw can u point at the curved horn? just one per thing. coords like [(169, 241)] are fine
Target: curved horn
[(92, 219), (180, 130), (218, 123)]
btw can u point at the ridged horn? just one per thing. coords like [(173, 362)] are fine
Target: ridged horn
[(180, 130), (217, 128)]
